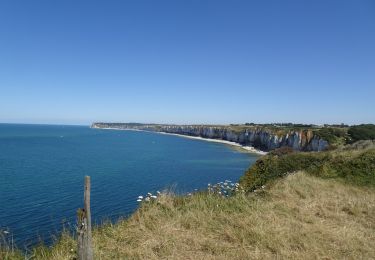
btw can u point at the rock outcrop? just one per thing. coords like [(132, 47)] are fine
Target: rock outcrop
[(259, 137)]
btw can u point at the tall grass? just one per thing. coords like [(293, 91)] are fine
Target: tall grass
[(326, 211), (298, 217), (8, 249)]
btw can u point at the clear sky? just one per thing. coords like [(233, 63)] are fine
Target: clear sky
[(74, 62)]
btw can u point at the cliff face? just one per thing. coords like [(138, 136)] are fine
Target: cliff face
[(258, 137)]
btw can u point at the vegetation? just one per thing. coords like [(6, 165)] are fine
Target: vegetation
[(361, 132), (332, 135), (298, 217), (339, 135), (323, 208), (352, 166)]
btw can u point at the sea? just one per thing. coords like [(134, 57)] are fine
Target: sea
[(42, 169)]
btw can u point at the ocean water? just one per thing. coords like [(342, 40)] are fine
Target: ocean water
[(42, 170)]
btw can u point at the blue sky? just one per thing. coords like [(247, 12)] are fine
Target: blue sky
[(74, 62)]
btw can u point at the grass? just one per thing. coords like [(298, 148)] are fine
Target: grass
[(334, 136), (354, 166), (323, 207), (297, 217), (361, 132)]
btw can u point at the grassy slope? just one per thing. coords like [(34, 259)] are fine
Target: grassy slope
[(297, 217), (326, 211), (352, 166)]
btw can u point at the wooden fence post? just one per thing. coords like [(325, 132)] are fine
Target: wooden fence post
[(85, 251)]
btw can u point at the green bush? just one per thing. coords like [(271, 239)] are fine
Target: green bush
[(282, 151), (357, 167), (331, 135), (362, 132)]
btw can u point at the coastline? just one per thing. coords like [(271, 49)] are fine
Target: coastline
[(249, 149)]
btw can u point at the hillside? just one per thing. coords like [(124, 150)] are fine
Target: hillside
[(300, 216), (299, 213), (353, 164)]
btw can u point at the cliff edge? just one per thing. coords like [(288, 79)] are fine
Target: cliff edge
[(260, 137)]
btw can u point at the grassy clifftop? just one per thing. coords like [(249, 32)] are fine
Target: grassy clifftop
[(298, 217), (334, 135), (351, 165), (323, 208)]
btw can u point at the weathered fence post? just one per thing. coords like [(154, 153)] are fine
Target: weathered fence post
[(85, 251)]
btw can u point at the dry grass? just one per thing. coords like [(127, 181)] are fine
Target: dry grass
[(299, 217)]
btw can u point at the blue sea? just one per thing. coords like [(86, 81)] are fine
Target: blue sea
[(42, 169)]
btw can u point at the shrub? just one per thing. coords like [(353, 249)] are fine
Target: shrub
[(331, 135), (361, 144), (362, 132), (282, 151), (357, 167)]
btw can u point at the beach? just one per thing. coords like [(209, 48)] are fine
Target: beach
[(244, 147), (250, 149)]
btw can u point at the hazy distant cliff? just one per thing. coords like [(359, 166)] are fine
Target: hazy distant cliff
[(258, 137)]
